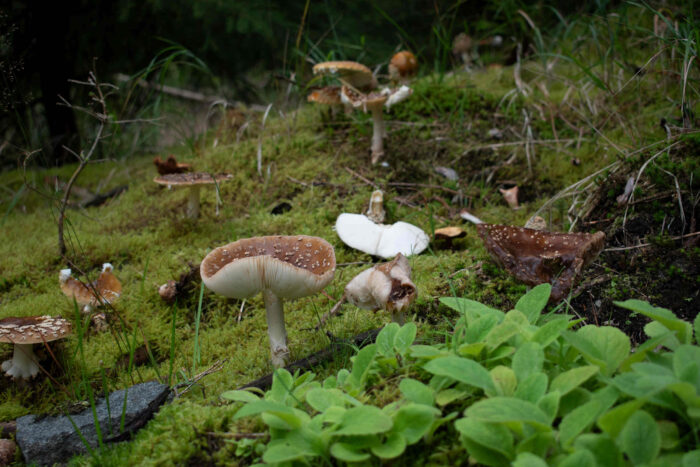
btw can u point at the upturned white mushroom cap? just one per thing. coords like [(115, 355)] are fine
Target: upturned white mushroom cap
[(291, 267), (386, 241)]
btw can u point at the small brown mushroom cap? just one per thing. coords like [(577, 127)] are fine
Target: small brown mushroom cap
[(355, 74), (107, 286), (403, 65), (449, 233), (290, 266), (329, 95), (536, 257), (33, 329), (190, 179)]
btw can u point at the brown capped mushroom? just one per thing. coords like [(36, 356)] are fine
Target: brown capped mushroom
[(386, 286), (511, 196), (403, 65), (354, 74), (449, 234), (105, 290), (170, 166), (281, 267), (193, 181), (23, 333), (536, 257)]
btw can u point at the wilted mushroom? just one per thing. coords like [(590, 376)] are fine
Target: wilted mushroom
[(449, 234), (386, 241), (281, 267), (385, 286), (191, 181), (511, 196), (536, 257), (402, 66), (25, 332), (354, 74), (375, 211), (105, 290), (170, 166)]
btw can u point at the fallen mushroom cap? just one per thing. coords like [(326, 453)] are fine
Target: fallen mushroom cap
[(386, 286), (290, 266), (536, 257), (386, 241), (355, 74), (449, 233), (511, 196)]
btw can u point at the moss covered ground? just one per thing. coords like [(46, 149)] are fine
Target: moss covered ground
[(551, 137)]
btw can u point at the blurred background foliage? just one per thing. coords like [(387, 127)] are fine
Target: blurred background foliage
[(244, 51)]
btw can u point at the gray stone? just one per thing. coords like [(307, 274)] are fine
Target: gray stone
[(49, 440)]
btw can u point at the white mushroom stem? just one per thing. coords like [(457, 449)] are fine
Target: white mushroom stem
[(275, 329), (377, 134), (23, 364), (193, 202)]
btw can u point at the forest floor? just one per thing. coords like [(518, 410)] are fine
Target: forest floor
[(570, 148)]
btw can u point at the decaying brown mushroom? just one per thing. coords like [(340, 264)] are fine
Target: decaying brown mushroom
[(193, 181), (170, 166), (511, 196), (536, 257), (105, 290), (23, 333), (449, 234), (386, 286), (375, 211)]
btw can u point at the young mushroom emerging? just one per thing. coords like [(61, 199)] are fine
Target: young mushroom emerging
[(385, 286), (536, 257), (25, 332), (105, 290), (281, 267), (191, 181), (403, 65)]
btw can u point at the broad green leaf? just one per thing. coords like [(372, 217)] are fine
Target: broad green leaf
[(683, 329), (532, 388), (533, 302), (240, 396), (605, 347), (601, 446), (500, 334), (258, 407), (656, 329), (527, 459), (361, 365), (283, 452), (574, 399), (490, 435), (640, 353), (471, 350), (686, 364), (480, 327), (284, 420), (500, 353), (640, 439), (413, 421), (343, 375), (691, 459), (614, 420), (581, 418), (447, 396), (569, 380), (484, 455), (469, 307), (669, 434), (580, 458), (504, 380), (320, 399), (539, 444), (347, 453), (425, 351), (392, 447), (417, 392), (282, 385), (549, 404), (332, 414), (404, 338), (462, 370), (385, 339), (528, 359), (364, 420), (550, 331), (508, 409)]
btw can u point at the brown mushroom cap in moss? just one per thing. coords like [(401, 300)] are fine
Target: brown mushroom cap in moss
[(536, 257), (193, 181), (355, 74), (281, 267), (23, 333), (402, 66), (107, 286)]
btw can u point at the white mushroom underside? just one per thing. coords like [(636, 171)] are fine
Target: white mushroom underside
[(386, 241), (23, 364)]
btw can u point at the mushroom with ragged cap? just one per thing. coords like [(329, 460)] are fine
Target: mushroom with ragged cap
[(25, 332), (105, 290), (281, 267)]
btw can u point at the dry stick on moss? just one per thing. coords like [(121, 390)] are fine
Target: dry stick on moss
[(101, 117)]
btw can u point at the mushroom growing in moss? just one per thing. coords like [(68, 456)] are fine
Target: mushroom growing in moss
[(281, 267), (403, 65), (192, 181), (105, 290), (25, 332)]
